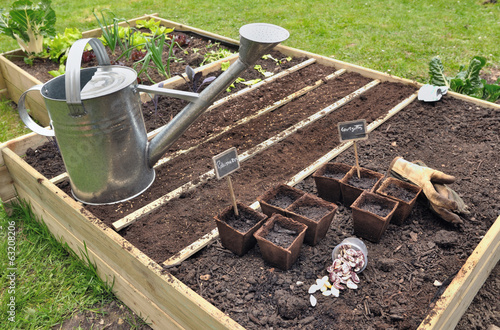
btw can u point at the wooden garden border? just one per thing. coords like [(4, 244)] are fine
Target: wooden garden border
[(147, 287)]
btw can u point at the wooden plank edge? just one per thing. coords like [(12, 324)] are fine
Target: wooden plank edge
[(122, 288), (7, 191), (20, 144), (191, 249), (215, 36), (173, 296), (97, 31), (373, 74), (474, 100), (459, 294)]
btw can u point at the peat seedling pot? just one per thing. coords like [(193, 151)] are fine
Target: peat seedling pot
[(280, 239), (352, 186), (371, 214), (316, 213), (403, 192), (278, 198), (236, 232), (327, 179)]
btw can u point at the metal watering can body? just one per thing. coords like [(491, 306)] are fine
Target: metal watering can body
[(97, 119)]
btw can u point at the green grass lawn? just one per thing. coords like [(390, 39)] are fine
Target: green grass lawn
[(42, 282), (397, 37)]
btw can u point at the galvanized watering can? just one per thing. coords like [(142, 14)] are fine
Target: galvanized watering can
[(96, 117)]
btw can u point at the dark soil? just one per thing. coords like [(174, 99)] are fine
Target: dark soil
[(334, 175), (283, 200), (281, 236), (242, 222), (399, 192), (397, 288), (376, 208), (312, 212), (362, 182)]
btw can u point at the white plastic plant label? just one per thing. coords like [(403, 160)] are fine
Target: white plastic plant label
[(430, 93)]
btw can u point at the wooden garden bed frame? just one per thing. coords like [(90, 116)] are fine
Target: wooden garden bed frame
[(146, 286)]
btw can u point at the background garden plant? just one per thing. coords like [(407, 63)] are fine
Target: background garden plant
[(395, 36)]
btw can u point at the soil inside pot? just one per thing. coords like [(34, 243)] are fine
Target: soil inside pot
[(283, 200), (334, 175), (281, 236), (376, 208), (362, 182), (313, 212), (399, 192), (243, 222)]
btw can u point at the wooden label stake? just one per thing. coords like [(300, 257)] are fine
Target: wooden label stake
[(353, 131), (357, 159), (226, 163), (233, 197)]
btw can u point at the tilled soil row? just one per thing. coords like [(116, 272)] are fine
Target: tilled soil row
[(182, 221)]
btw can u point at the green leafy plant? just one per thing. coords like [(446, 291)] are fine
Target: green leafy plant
[(153, 26), (262, 71), (28, 23), (58, 72), (215, 55), (277, 61), (58, 47), (110, 32), (153, 58), (467, 81)]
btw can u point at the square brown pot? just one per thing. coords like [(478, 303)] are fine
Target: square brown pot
[(371, 214), (403, 192), (352, 186), (236, 232), (316, 213), (327, 179), (278, 198), (282, 257)]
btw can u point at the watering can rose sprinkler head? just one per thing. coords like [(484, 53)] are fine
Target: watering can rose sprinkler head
[(97, 118), (256, 39)]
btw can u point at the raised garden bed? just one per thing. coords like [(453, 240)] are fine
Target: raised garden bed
[(148, 272)]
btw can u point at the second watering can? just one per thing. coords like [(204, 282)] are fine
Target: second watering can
[(97, 119)]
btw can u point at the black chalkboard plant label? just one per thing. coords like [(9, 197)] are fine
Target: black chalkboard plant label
[(226, 163), (353, 130)]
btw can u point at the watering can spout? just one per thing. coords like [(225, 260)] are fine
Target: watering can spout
[(255, 41)]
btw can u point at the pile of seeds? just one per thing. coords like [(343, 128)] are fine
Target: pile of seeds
[(343, 271)]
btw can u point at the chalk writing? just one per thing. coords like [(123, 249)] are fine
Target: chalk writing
[(353, 130), (226, 163)]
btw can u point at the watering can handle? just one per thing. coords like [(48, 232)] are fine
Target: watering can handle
[(73, 65), (25, 117)]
